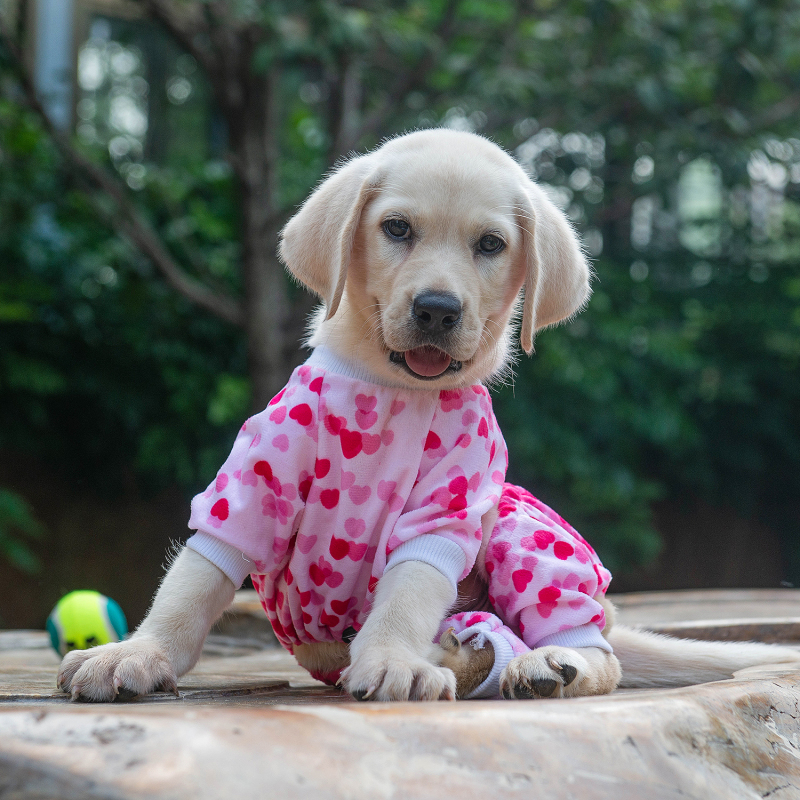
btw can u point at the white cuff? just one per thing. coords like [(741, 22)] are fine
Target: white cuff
[(443, 554), (231, 561), (587, 635)]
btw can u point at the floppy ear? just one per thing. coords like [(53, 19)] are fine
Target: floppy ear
[(557, 275), (317, 241)]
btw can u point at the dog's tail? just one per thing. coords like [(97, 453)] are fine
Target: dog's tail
[(651, 660)]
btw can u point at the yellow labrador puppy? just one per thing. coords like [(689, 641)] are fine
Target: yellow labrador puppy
[(424, 252)]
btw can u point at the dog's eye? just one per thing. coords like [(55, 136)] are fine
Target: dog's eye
[(490, 244), (397, 228)]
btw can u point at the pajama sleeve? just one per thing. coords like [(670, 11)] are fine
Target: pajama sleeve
[(246, 517), (460, 479)]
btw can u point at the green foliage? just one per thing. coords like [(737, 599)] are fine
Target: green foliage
[(17, 523), (101, 367)]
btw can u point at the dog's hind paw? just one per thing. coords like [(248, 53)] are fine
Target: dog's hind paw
[(560, 672), (546, 672), (117, 671)]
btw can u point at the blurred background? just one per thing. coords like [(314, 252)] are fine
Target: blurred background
[(151, 151)]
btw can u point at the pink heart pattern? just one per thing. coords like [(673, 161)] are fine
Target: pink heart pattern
[(359, 494), (365, 411)]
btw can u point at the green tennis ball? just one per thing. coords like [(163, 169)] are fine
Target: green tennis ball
[(84, 619)]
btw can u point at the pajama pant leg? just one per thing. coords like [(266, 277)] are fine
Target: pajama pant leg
[(543, 576)]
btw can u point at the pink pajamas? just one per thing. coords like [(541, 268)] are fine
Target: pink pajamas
[(543, 577), (339, 480)]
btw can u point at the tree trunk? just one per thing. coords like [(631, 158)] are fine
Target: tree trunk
[(266, 307), (253, 131)]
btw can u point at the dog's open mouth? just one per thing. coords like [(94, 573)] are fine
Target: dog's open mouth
[(425, 362)]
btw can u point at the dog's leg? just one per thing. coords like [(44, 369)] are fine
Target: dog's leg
[(470, 666), (554, 671), (323, 659), (392, 657), (167, 644)]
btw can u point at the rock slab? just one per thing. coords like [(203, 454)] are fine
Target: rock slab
[(729, 740)]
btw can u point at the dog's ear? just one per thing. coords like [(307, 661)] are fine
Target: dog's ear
[(557, 274), (317, 241)]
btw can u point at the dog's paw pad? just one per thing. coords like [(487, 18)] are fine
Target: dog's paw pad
[(522, 691), (544, 687), (568, 672), (364, 694)]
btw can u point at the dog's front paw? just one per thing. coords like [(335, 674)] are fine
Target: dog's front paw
[(398, 675), (118, 671), (545, 672)]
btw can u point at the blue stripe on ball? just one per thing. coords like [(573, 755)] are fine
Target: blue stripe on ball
[(116, 618)]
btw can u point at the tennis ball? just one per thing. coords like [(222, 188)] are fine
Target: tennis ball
[(84, 619)]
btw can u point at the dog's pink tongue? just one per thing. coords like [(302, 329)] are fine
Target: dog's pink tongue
[(427, 361)]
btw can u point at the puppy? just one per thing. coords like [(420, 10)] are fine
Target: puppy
[(368, 500)]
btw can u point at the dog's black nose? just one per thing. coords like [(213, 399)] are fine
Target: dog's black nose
[(436, 312)]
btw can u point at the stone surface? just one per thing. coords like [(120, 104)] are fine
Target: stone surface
[(735, 739), (764, 615), (657, 608), (250, 721)]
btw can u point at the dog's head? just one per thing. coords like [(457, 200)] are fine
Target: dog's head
[(420, 251)]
